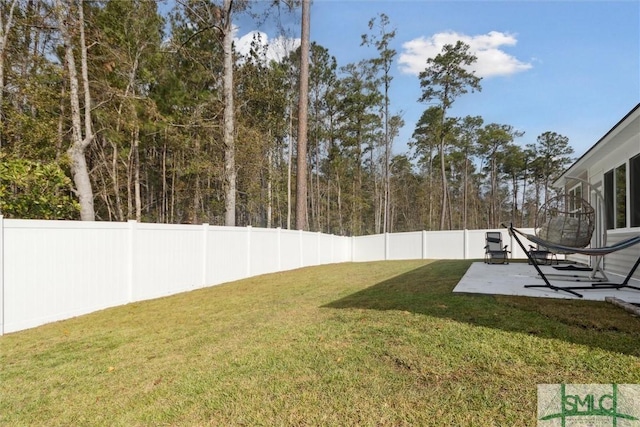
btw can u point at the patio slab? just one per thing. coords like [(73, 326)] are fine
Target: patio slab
[(509, 279)]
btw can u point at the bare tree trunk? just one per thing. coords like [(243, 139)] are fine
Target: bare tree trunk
[(229, 125), (289, 166), (465, 192), (301, 179), (312, 208), (115, 180), (80, 143), (61, 131), (165, 204), (289, 172), (450, 210), (328, 204), (536, 204), (197, 196), (318, 196), (4, 35), (387, 189), (514, 208), (377, 199), (172, 207), (130, 184), (524, 200), (493, 202), (269, 186), (443, 171), (430, 189), (387, 161), (339, 197), (136, 172)]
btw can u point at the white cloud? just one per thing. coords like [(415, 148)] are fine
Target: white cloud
[(491, 59), (277, 48)]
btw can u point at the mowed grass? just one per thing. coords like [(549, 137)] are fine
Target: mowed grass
[(369, 344)]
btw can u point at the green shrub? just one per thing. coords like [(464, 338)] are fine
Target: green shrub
[(32, 190)]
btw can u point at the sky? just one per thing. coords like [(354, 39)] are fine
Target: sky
[(570, 67)]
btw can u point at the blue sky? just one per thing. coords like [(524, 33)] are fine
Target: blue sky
[(571, 67)]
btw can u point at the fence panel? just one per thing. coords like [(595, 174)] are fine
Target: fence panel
[(291, 254), (226, 254), (445, 245), (264, 251), (325, 249), (310, 250), (475, 243), (55, 270), (342, 249), (405, 245), (369, 248), (167, 259)]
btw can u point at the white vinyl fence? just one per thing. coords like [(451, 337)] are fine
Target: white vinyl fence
[(54, 270), (455, 244)]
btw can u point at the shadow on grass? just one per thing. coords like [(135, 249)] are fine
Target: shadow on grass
[(428, 290)]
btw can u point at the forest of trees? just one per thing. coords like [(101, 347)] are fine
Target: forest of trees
[(110, 110)]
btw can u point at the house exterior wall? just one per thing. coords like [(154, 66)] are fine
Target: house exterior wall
[(624, 259), (616, 148)]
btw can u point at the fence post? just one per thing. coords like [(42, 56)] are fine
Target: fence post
[(279, 245), (386, 246), (333, 252), (352, 249), (301, 248), (465, 244), (205, 233), (248, 251), (424, 244), (1, 275), (132, 253)]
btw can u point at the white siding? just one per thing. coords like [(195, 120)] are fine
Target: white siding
[(621, 262)]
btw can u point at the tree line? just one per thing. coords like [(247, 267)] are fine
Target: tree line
[(111, 110)]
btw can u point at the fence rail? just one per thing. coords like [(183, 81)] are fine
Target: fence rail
[(54, 270)]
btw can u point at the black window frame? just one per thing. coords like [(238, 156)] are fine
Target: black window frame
[(615, 197), (634, 190), (609, 197)]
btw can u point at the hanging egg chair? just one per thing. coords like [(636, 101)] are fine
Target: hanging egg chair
[(566, 220)]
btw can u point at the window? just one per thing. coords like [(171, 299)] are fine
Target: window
[(615, 197), (634, 193), (575, 203), (608, 199), (621, 196)]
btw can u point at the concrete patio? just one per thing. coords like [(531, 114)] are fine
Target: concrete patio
[(509, 279)]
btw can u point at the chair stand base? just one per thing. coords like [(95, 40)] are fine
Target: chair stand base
[(572, 289), (577, 278), (567, 289), (594, 286), (615, 286)]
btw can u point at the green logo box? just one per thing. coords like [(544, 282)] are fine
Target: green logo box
[(594, 405)]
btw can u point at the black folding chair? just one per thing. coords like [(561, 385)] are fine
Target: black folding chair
[(494, 250)]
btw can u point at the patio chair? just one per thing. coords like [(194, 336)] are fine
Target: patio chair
[(542, 255), (494, 250)]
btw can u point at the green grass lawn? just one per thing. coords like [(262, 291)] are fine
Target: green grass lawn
[(369, 344)]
